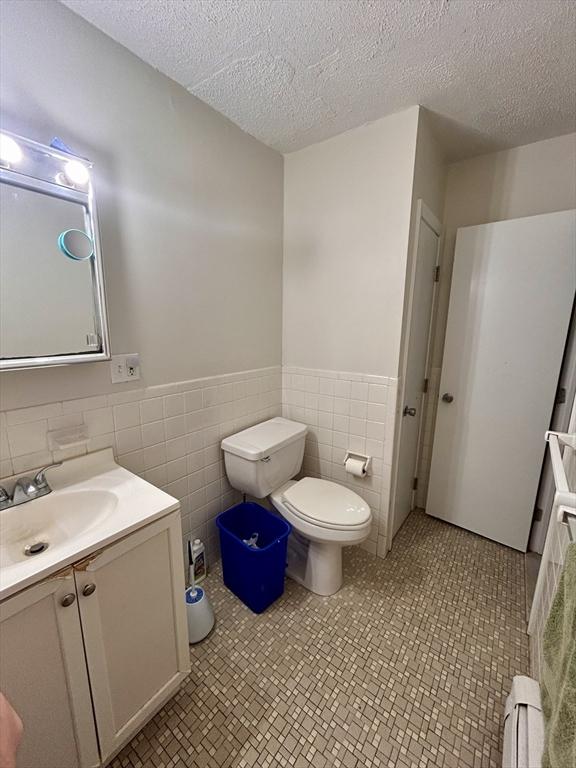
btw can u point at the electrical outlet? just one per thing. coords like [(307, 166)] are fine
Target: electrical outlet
[(133, 366), (125, 368)]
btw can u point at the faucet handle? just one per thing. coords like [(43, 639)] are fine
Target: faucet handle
[(4, 495), (40, 477)]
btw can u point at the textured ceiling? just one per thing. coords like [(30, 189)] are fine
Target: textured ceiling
[(496, 73)]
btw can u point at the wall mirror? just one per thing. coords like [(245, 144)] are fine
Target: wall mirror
[(52, 303)]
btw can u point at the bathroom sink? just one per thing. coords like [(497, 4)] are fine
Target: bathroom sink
[(93, 503), (30, 529)]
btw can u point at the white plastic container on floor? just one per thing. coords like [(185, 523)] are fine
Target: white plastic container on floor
[(200, 614), (198, 609)]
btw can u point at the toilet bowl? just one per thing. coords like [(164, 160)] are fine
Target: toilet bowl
[(325, 516)]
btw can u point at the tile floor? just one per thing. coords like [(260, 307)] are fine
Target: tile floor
[(408, 665)]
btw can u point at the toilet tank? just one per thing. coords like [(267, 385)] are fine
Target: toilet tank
[(260, 459)]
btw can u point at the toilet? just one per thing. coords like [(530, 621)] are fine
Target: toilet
[(262, 461)]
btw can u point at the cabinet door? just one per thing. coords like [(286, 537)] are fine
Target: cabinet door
[(131, 600), (43, 675)]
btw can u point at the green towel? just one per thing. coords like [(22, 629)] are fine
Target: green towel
[(558, 675)]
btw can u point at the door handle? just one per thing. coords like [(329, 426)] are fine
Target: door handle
[(409, 411), (447, 397)]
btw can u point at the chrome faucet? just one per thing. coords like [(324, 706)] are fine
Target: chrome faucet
[(27, 489)]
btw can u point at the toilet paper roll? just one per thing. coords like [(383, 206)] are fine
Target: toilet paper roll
[(356, 467)]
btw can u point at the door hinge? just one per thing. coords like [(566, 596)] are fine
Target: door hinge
[(415, 484), (436, 274), (425, 387), (560, 396)]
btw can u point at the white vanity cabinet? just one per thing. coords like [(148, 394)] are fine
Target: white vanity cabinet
[(43, 674), (88, 655), (131, 602)]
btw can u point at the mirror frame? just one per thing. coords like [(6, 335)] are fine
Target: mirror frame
[(85, 196)]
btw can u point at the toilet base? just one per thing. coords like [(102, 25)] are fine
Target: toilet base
[(316, 565)]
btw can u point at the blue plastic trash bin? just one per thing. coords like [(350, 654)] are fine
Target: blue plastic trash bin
[(255, 575)]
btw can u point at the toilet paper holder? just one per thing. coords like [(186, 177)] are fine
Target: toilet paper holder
[(366, 460)]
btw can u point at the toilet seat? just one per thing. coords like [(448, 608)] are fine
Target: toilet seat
[(326, 504)]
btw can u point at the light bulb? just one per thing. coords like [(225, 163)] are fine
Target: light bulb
[(76, 172), (10, 152)]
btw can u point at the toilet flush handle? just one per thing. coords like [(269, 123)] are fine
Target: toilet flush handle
[(265, 459)]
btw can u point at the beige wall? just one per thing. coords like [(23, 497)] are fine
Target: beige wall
[(346, 227), (190, 206), (524, 181)]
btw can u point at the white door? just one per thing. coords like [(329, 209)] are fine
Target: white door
[(43, 675), (131, 600), (512, 292), (411, 413)]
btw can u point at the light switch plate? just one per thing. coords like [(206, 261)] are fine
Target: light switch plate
[(125, 368)]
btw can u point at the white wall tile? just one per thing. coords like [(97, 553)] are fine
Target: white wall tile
[(175, 427), (342, 389), (100, 421), (129, 440), (133, 462), (127, 415), (154, 433), (156, 476), (154, 456), (193, 400), (37, 413), (174, 405), (358, 409), (359, 390), (377, 394), (326, 386), (27, 437), (376, 412), (341, 406), (196, 481), (31, 461), (67, 421), (100, 442), (357, 426), (177, 446), (84, 404), (151, 410)]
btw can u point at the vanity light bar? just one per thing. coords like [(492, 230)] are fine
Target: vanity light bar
[(75, 173), (10, 151)]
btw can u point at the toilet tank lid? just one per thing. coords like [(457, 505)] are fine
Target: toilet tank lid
[(264, 439)]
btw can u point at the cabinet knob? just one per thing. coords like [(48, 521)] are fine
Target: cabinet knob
[(88, 590), (68, 599), (447, 397)]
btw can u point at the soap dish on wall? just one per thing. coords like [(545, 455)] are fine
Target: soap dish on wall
[(68, 437)]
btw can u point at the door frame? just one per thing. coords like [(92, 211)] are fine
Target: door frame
[(423, 214)]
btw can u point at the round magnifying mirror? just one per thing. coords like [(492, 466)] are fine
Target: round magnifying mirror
[(76, 244)]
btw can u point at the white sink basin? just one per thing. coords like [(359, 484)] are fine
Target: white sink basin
[(52, 520), (93, 503)]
